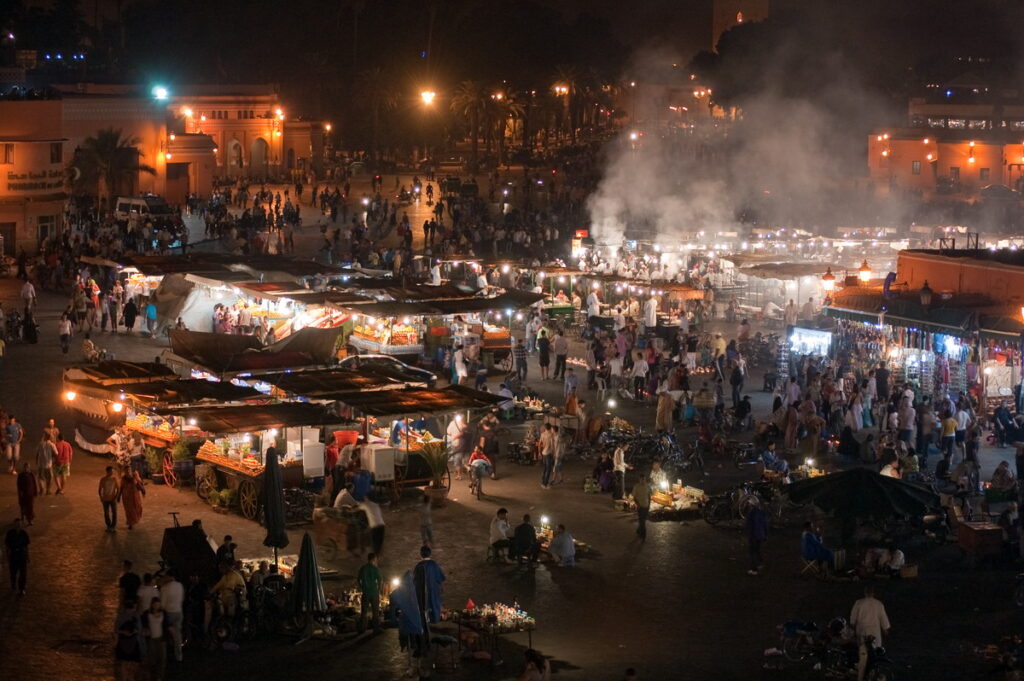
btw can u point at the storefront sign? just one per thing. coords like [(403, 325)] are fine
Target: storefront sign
[(26, 182)]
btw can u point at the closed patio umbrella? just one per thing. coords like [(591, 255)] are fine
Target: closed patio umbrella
[(273, 503)]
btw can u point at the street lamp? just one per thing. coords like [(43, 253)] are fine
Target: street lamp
[(864, 272), (428, 97), (828, 281), (926, 294)]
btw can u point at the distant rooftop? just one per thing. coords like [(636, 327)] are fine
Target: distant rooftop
[(1002, 256)]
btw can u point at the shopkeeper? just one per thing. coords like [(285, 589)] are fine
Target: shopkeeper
[(398, 430)]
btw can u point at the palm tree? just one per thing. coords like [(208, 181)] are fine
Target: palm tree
[(508, 108), (380, 97), (471, 101), (107, 161), (569, 78)]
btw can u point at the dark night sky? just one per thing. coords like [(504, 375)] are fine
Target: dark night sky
[(681, 24)]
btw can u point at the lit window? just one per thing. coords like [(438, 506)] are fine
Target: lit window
[(915, 167)]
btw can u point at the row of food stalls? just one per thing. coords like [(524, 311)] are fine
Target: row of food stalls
[(222, 428), (941, 345)]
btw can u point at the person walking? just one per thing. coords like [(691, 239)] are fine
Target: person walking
[(46, 454), (130, 312), (546, 443), (642, 499), (64, 331), (131, 492), (16, 542), (27, 492), (13, 435), (370, 580), (154, 627), (109, 490), (172, 598), (130, 647), (869, 620), (757, 532), (519, 355), (62, 463), (375, 519), (561, 349)]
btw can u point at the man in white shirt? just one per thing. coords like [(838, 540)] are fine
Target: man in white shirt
[(651, 313), (435, 274), (868, 618), (789, 316), (509, 396), (172, 598), (593, 304), (461, 369), (375, 519), (28, 295), (498, 536), (807, 311), (619, 466)]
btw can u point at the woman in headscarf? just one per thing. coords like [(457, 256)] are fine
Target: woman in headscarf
[(132, 491)]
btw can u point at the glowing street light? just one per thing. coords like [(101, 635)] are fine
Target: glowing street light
[(561, 89), (864, 273), (828, 281), (428, 97), (186, 112), (160, 92), (327, 127)]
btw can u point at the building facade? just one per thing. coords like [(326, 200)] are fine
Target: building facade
[(190, 138)]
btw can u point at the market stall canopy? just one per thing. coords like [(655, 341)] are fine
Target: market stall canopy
[(248, 418), (330, 384), (954, 317), (420, 401), (1000, 327), (746, 259), (510, 300), (229, 353), (391, 309), (197, 263), (861, 493), (186, 391), (114, 372), (786, 270)]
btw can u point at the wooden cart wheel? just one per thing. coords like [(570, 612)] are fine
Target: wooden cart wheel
[(446, 480), (170, 478), (400, 471), (248, 499), (506, 363), (205, 484)]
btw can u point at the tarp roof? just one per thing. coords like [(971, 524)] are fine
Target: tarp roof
[(330, 384), (420, 401), (113, 372), (249, 418), (786, 270), (186, 391), (227, 353), (213, 262), (865, 305)]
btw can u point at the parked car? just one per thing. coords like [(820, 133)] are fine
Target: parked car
[(392, 367)]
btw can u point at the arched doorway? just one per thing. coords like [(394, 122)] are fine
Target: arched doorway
[(290, 159), (235, 162), (258, 158)]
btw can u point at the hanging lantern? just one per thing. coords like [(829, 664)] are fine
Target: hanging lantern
[(864, 272), (926, 294), (828, 281)]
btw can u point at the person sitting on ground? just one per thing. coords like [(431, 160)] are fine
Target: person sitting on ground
[(772, 461), (537, 668), (891, 468), (562, 547), (1002, 478), (659, 479), (604, 473), (498, 537), (811, 546), (524, 541), (891, 561)]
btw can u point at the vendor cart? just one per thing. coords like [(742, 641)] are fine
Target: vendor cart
[(246, 479), (979, 540)]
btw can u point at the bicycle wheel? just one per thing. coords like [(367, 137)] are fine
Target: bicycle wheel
[(793, 648), (716, 512)]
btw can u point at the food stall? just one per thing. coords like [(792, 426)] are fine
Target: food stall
[(235, 438), (479, 626)]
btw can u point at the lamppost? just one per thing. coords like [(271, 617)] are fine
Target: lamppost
[(926, 294), (428, 97), (828, 284)]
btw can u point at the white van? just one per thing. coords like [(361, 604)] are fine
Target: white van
[(149, 206)]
